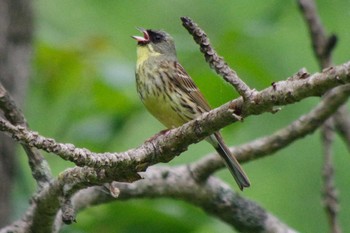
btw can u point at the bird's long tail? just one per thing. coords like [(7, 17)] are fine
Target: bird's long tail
[(230, 161)]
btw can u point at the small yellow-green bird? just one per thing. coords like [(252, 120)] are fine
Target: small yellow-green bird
[(170, 94)]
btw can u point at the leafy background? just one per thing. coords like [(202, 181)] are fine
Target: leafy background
[(82, 91)]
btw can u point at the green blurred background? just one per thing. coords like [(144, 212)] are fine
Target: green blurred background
[(82, 91)]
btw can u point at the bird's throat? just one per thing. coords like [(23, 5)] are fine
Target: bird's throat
[(144, 53)]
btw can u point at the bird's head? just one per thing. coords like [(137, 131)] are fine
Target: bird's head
[(156, 41)]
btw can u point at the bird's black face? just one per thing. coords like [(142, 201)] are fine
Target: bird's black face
[(157, 41), (150, 36), (156, 36)]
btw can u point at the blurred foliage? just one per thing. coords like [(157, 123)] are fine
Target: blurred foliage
[(82, 91)]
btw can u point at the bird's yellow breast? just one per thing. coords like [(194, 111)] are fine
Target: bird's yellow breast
[(143, 53), (152, 90), (164, 110)]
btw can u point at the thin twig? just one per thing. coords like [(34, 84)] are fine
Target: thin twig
[(322, 45), (330, 195), (342, 124), (215, 61)]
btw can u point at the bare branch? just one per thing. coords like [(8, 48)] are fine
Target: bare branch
[(342, 124), (98, 168), (38, 164), (124, 166), (268, 145), (330, 196), (323, 47), (40, 216), (172, 182), (165, 146), (213, 196), (215, 61)]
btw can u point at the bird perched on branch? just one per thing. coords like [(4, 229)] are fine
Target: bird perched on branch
[(170, 94)]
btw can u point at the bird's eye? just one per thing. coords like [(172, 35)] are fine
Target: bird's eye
[(157, 38)]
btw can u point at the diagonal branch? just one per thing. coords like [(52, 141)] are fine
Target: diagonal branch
[(215, 61), (268, 145), (165, 146), (105, 167), (77, 178), (95, 168)]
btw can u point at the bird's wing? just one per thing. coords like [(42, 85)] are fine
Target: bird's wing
[(186, 83)]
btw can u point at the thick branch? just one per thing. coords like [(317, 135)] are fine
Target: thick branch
[(125, 165), (268, 145), (165, 146), (213, 196), (45, 205)]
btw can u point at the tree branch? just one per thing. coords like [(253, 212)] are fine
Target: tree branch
[(342, 124), (124, 166), (38, 164), (98, 168), (330, 196), (213, 196), (215, 61), (268, 145), (323, 47), (165, 146)]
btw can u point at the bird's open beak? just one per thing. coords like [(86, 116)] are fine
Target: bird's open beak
[(140, 39)]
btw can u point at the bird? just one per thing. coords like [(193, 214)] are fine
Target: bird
[(170, 94)]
